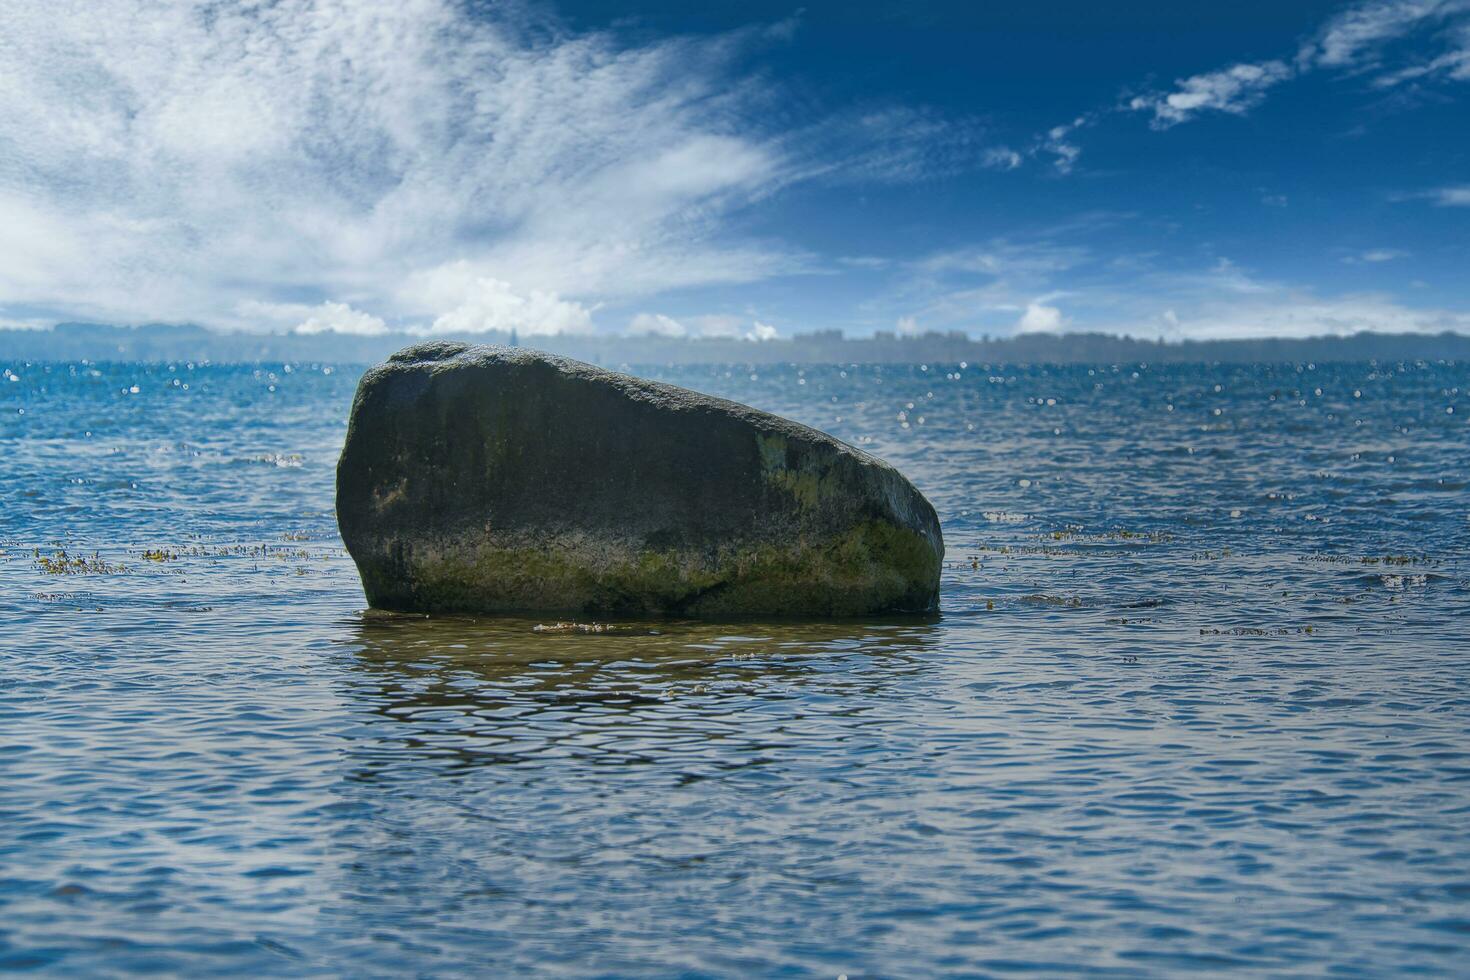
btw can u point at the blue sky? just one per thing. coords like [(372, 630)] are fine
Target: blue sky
[(750, 169)]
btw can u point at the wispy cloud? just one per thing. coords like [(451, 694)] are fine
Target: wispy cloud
[(1303, 314), (1454, 65), (1045, 285), (892, 144), (1058, 143), (987, 285), (1227, 301), (1017, 261), (427, 162), (1375, 256), (1232, 90), (1002, 158), (1452, 197), (1355, 40), (182, 159)]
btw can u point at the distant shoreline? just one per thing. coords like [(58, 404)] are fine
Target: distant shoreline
[(163, 342)]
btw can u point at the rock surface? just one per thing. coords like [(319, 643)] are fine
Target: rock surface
[(490, 479)]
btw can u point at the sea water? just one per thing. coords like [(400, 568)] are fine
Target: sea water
[(1198, 699)]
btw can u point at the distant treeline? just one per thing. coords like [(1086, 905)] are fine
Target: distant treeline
[(166, 342)]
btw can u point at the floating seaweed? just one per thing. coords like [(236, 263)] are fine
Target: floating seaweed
[(62, 563), (1074, 532), (1042, 599), (1399, 560), (573, 628), (1255, 631)]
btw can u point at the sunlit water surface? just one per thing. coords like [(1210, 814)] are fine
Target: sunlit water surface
[(1199, 698)]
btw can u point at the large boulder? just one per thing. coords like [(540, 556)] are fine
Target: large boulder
[(489, 479)]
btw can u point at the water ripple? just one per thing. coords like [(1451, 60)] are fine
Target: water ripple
[(1198, 700)]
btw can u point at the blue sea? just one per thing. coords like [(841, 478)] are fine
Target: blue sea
[(1198, 699)]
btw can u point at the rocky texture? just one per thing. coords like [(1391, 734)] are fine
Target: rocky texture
[(487, 479)]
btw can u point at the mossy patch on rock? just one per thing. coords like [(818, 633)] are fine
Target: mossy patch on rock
[(484, 479)]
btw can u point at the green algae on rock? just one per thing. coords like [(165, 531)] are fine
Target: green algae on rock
[(494, 479)]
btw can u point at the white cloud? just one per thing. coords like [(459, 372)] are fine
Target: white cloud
[(1309, 316), (657, 324), (485, 304), (31, 324), (1040, 317), (717, 325), (321, 318), (340, 318), (908, 325), (36, 243), (1233, 90), (762, 331), (173, 161)]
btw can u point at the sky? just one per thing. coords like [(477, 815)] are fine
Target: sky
[(751, 169)]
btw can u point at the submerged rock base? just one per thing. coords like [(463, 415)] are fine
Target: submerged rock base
[(492, 479)]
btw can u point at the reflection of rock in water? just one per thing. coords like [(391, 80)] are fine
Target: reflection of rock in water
[(533, 801), (472, 692)]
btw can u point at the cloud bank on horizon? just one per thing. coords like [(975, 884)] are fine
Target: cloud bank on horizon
[(435, 166)]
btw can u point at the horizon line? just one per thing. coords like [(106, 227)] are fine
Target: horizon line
[(823, 335)]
